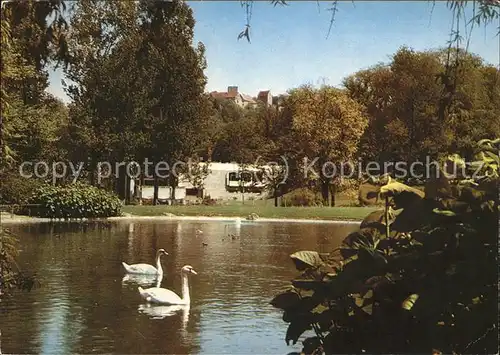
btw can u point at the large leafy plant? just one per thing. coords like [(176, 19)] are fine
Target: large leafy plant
[(419, 276)]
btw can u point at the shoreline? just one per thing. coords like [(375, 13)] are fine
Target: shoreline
[(18, 219)]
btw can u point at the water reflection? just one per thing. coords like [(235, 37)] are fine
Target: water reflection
[(232, 229), (163, 311), (141, 280), (130, 239)]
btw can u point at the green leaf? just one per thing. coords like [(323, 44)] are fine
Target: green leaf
[(364, 302), (319, 309), (295, 330), (376, 219), (308, 284), (476, 300), (395, 188), (494, 157), (285, 300), (368, 309), (311, 345), (409, 302), (306, 259), (488, 206), (446, 213), (457, 160)]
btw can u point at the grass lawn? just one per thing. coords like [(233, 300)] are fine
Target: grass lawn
[(262, 210)]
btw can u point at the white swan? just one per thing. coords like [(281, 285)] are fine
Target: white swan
[(146, 269), (164, 296)]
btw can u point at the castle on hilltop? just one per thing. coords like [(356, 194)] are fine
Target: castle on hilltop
[(244, 100)]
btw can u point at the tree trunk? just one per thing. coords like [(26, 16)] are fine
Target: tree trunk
[(120, 181), (141, 183), (332, 192), (155, 190), (2, 145), (136, 189), (172, 194), (127, 189), (92, 174), (173, 185), (325, 193), (209, 153)]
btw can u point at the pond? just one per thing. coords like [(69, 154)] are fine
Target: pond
[(86, 304)]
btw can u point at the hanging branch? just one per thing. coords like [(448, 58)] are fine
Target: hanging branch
[(449, 77), (334, 10), (248, 5), (483, 11)]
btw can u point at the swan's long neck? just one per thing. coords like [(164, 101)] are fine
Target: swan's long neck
[(158, 264), (185, 289)]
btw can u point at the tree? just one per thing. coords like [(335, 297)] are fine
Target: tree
[(29, 43), (168, 57), (403, 101), (274, 176), (242, 140), (327, 125), (108, 111), (196, 173)]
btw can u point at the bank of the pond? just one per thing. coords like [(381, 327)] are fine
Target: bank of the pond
[(223, 213), (243, 211)]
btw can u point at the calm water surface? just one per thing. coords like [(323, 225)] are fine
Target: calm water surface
[(86, 306)]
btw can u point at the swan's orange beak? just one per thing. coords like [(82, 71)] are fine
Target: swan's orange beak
[(194, 272)]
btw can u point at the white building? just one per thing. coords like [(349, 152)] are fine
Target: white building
[(223, 182)]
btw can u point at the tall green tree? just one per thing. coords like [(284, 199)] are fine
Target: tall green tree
[(327, 125), (105, 83), (33, 36), (175, 66), (403, 102)]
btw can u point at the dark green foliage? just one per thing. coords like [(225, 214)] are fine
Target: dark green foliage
[(403, 98), (75, 201), (301, 197), (208, 201), (17, 190), (10, 276), (431, 283)]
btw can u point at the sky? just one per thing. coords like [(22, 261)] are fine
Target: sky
[(289, 44)]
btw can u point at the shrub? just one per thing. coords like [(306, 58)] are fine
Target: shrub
[(348, 186), (301, 197), (208, 201), (419, 276), (75, 201), (17, 190)]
